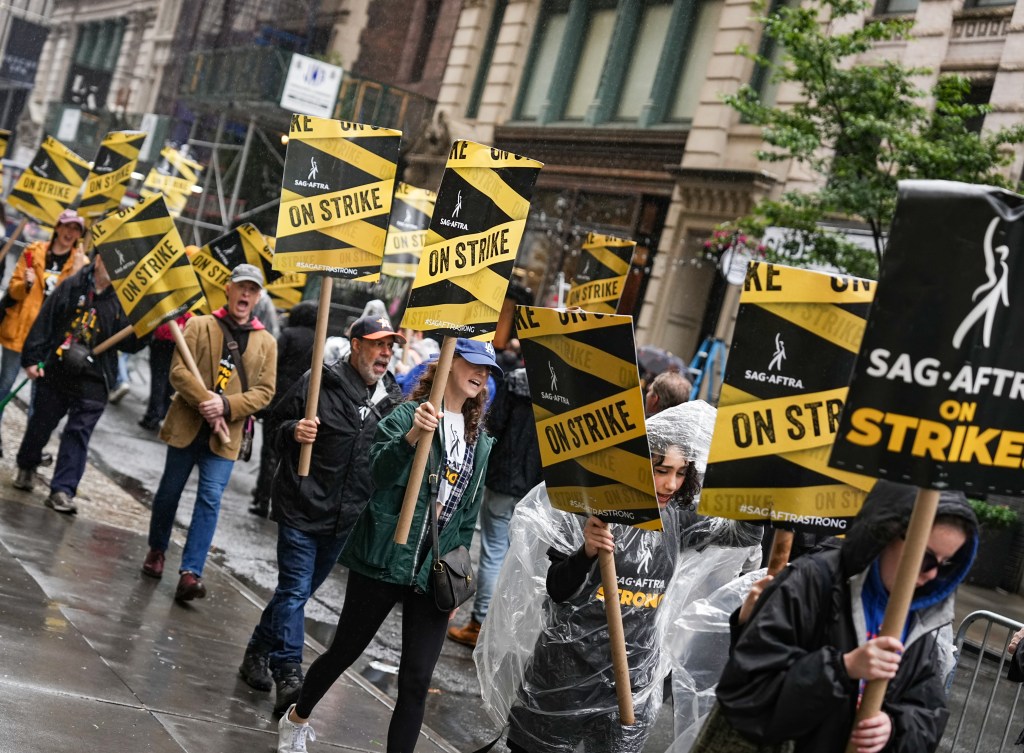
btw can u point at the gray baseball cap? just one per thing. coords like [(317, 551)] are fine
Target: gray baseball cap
[(247, 273)]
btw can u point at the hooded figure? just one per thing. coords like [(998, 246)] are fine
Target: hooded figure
[(793, 673), (543, 656)]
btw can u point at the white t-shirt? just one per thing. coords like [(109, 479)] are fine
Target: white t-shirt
[(453, 428)]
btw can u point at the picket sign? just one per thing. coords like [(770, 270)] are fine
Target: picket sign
[(616, 638), (113, 340)]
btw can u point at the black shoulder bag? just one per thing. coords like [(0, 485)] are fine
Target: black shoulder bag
[(451, 576), (249, 427)]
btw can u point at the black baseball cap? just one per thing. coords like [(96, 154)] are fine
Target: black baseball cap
[(374, 328)]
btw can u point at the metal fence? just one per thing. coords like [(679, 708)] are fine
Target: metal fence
[(982, 702)]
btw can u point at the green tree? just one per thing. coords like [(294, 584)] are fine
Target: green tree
[(861, 127)]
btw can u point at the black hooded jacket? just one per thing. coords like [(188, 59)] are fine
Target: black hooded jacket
[(330, 498), (294, 347), (785, 678), (514, 468)]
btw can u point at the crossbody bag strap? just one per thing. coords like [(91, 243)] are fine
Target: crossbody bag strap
[(434, 480), (235, 354)]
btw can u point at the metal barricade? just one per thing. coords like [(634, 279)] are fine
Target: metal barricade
[(979, 691)]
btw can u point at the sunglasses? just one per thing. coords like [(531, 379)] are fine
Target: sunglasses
[(930, 562)]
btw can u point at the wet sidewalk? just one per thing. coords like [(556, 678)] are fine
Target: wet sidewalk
[(96, 657)]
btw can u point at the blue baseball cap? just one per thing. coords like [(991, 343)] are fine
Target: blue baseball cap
[(477, 352)]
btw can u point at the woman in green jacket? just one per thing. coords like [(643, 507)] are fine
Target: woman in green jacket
[(383, 573)]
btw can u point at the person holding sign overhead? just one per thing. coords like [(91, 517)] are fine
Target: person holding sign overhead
[(567, 695), (383, 573), (801, 662), (237, 359), (40, 268)]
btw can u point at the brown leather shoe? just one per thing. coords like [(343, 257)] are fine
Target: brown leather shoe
[(153, 566), (467, 635), (190, 586)]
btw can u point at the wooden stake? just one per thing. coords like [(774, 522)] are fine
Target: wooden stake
[(14, 236), (616, 637), (113, 340), (419, 460), (918, 531), (316, 367), (782, 545), (190, 362)]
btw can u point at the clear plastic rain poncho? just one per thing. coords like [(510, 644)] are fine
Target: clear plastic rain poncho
[(546, 666)]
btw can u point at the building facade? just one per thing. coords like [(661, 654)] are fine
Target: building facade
[(622, 101)]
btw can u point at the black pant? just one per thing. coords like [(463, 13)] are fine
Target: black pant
[(160, 391), (51, 405), (367, 603)]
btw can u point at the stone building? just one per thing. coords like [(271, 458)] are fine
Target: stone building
[(622, 101)]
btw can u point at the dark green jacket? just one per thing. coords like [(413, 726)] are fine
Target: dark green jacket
[(371, 548)]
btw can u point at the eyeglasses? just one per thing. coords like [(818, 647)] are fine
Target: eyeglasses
[(931, 562)]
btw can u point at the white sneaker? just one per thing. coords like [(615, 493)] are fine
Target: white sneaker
[(119, 391), (291, 737)]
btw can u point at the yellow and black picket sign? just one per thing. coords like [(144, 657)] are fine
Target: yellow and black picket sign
[(335, 198), (411, 211), (145, 258), (115, 162), (285, 290), (601, 274), (5, 137), (796, 339), (214, 261), (589, 412), (475, 232), (50, 183), (595, 457), (174, 176)]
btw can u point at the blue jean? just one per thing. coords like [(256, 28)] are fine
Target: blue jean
[(83, 415), (304, 561), (214, 472), (495, 514), (10, 366)]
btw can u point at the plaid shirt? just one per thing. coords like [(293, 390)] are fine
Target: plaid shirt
[(451, 502)]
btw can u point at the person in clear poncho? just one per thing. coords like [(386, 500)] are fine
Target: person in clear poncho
[(543, 657)]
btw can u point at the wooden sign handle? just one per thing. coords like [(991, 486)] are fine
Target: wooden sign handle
[(616, 637), (190, 362), (14, 236), (419, 460), (113, 340), (782, 545), (316, 367), (918, 531)]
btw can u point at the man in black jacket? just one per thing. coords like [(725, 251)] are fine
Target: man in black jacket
[(81, 313), (315, 513)]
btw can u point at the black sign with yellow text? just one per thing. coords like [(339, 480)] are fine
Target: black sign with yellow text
[(336, 194), (796, 339), (146, 261), (407, 229), (174, 176), (589, 412), (113, 168), (50, 183), (471, 246), (938, 390), (601, 273), (214, 261)]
